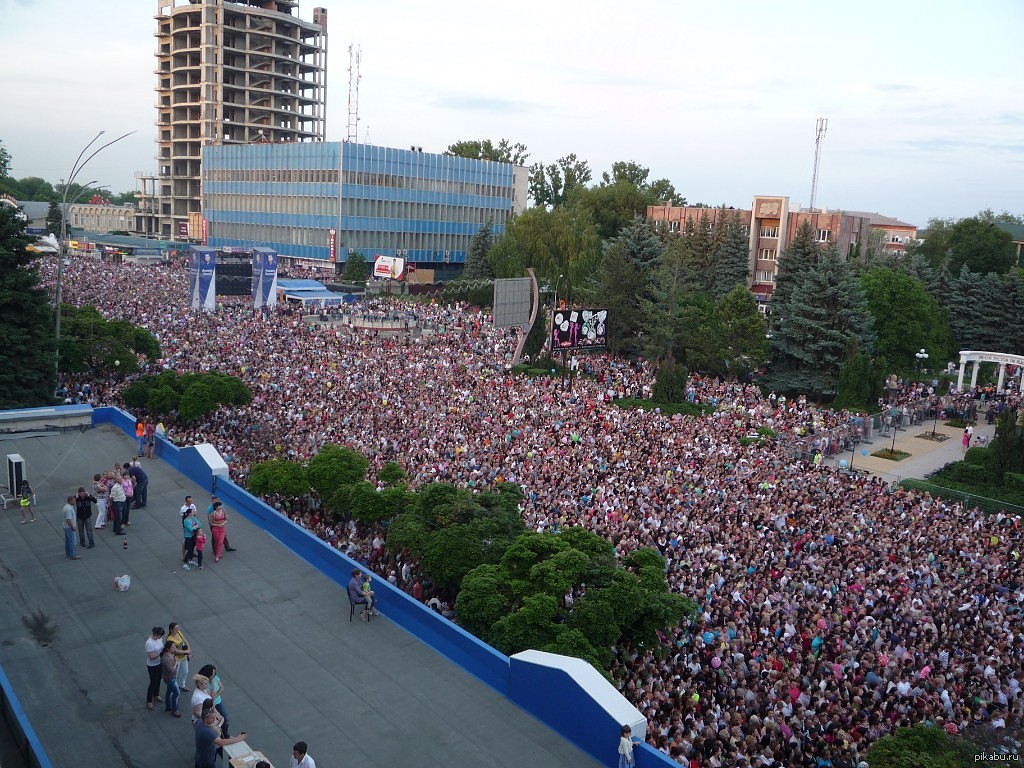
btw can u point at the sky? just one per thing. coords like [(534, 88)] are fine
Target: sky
[(924, 100)]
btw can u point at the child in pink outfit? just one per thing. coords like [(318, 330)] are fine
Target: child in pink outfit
[(200, 544)]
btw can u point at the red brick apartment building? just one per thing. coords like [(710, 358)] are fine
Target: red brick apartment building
[(772, 224)]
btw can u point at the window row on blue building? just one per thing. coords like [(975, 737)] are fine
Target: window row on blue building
[(290, 197)]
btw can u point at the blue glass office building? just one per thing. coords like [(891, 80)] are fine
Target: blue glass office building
[(380, 201)]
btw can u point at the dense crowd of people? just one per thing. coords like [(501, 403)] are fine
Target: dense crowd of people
[(831, 608)]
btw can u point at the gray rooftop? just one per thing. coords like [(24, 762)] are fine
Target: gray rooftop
[(277, 630)]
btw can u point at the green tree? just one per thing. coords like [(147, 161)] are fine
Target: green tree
[(193, 395), (335, 466), (278, 476), (793, 263), (732, 264), (196, 401), (742, 331), (518, 602), (705, 241), (90, 342), (551, 185), (391, 474), (933, 243), (860, 381), (560, 242), (5, 162), (367, 505), (31, 188), (612, 207), (627, 172), (477, 266), (670, 384), (356, 269), (825, 309), (921, 747), (981, 246), (502, 152), (27, 366), (54, 218), (623, 287), (1008, 447), (906, 319)]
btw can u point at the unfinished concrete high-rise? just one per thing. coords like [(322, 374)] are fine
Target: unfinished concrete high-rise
[(229, 72)]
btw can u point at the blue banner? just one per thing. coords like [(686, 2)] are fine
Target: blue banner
[(206, 298), (259, 258), (193, 279), (264, 278)]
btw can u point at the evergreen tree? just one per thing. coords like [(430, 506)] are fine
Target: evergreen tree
[(622, 288), (801, 255), (54, 218), (641, 244), (704, 241), (732, 267), (477, 267), (27, 365), (860, 381), (825, 309), (741, 331)]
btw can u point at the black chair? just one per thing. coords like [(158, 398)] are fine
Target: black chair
[(352, 608)]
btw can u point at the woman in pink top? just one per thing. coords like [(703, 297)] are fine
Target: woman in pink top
[(219, 529)]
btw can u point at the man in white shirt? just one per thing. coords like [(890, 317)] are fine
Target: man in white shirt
[(300, 758), (187, 507)]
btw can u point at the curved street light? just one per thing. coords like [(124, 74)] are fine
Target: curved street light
[(75, 170)]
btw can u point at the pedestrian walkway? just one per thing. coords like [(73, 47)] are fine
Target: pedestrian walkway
[(926, 454)]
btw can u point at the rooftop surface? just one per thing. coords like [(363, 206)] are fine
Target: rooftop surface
[(294, 668)]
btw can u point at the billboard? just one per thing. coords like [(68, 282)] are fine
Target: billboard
[(389, 266), (202, 278), (579, 329), (264, 278), (513, 302)]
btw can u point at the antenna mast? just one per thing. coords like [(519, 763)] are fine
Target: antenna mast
[(355, 56), (820, 130)]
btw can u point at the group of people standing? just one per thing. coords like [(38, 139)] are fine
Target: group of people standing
[(168, 654), (116, 493), (194, 537)]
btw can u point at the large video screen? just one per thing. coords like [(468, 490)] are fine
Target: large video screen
[(580, 329)]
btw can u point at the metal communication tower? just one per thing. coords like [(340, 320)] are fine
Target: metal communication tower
[(355, 56), (820, 130)]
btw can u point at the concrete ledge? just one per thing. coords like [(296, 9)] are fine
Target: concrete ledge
[(56, 417)]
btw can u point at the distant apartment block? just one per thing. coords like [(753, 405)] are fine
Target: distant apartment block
[(228, 72), (772, 223)]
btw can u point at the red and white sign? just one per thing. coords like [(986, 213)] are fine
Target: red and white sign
[(389, 266)]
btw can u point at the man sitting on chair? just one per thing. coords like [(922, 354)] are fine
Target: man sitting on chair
[(356, 595)]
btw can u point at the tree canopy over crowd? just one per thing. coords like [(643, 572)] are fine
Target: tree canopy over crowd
[(560, 592), (189, 396)]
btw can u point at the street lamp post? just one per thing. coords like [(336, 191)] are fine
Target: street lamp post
[(921, 356), (62, 253)]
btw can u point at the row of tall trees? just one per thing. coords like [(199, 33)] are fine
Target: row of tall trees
[(560, 592), (37, 189), (832, 317)]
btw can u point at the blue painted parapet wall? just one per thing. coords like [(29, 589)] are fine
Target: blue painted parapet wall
[(29, 746), (562, 698)]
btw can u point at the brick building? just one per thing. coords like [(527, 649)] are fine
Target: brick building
[(772, 223)]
